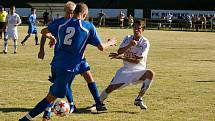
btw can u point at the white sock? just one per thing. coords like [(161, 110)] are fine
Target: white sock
[(140, 98), (146, 84), (28, 116), (103, 95), (15, 46), (72, 103), (5, 46)]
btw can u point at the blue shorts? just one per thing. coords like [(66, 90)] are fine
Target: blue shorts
[(32, 30), (61, 81), (82, 67)]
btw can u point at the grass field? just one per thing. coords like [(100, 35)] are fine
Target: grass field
[(183, 90)]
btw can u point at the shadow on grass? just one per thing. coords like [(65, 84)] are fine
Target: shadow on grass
[(208, 81), (79, 110), (6, 110), (128, 112), (205, 60), (88, 110), (179, 48)]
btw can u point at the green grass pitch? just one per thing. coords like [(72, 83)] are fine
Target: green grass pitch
[(183, 90)]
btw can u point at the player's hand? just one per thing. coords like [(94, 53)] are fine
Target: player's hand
[(112, 41), (115, 56), (41, 54), (112, 55), (16, 24), (52, 42), (133, 43)]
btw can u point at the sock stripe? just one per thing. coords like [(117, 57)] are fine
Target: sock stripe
[(28, 116)]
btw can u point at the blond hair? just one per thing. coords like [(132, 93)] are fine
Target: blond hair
[(70, 4)]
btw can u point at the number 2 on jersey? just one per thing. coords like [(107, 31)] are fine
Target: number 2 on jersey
[(70, 31)]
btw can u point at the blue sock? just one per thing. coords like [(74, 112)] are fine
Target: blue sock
[(47, 112), (69, 95), (26, 38), (39, 108), (36, 40), (94, 91)]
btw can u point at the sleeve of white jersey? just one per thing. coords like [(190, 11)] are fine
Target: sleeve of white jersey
[(19, 21), (125, 42)]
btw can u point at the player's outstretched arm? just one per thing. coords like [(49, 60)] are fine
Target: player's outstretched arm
[(41, 53), (107, 44), (47, 34), (134, 60)]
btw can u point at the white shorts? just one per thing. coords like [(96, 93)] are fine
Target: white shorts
[(128, 76), (11, 34)]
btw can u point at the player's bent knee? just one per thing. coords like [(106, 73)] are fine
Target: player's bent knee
[(149, 74), (50, 98)]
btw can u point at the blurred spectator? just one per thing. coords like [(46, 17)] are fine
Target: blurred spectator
[(188, 21), (198, 23), (3, 15), (121, 19), (193, 18), (130, 21), (101, 18), (45, 17), (203, 21), (169, 19), (213, 22), (57, 16), (180, 21)]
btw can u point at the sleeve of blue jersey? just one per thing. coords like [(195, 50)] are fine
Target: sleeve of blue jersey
[(29, 18), (52, 27), (94, 38)]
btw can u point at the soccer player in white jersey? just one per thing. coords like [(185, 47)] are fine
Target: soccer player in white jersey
[(133, 51), (12, 21)]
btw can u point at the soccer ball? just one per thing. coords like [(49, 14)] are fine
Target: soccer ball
[(61, 108)]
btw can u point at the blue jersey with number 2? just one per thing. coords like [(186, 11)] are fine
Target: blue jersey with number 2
[(73, 36)]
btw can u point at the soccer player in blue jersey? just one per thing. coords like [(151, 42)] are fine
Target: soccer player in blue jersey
[(32, 29), (73, 37), (68, 8), (83, 68)]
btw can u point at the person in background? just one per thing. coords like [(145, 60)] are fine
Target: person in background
[(3, 15), (12, 21), (121, 19), (169, 19), (130, 21), (101, 18), (45, 17), (32, 28)]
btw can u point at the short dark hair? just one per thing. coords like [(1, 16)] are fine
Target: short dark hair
[(1, 7), (32, 9), (81, 8), (140, 22), (13, 6)]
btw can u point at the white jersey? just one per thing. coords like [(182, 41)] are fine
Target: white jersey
[(140, 50), (11, 28), (169, 18)]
